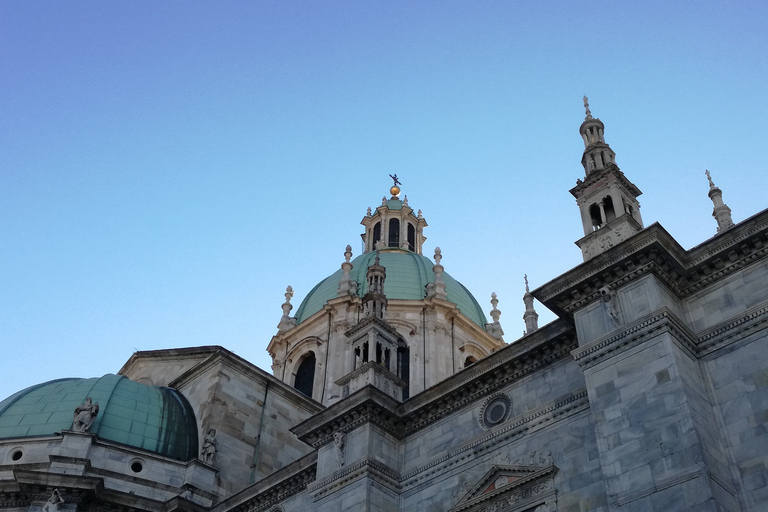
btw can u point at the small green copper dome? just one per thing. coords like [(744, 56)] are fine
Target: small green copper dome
[(408, 274), (152, 418)]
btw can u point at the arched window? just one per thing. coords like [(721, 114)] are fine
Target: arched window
[(610, 212), (394, 233), (411, 237), (376, 234), (594, 214), (305, 375)]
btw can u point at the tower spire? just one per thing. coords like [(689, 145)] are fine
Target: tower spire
[(530, 316), (721, 212), (610, 212)]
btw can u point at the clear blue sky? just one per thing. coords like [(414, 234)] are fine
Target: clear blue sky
[(167, 168)]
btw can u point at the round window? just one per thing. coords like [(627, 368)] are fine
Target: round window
[(496, 410)]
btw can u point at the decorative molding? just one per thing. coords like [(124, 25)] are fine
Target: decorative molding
[(484, 406), (532, 486), (734, 330), (663, 320), (364, 468), (273, 489)]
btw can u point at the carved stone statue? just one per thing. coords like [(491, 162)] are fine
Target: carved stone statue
[(208, 451), (52, 505), (611, 301), (84, 416), (338, 441)]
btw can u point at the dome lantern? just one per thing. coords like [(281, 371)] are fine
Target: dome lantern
[(393, 225)]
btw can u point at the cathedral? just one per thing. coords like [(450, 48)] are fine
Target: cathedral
[(391, 390)]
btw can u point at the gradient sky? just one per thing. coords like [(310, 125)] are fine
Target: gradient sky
[(167, 168)]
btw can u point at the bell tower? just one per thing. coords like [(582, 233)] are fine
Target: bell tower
[(607, 200)]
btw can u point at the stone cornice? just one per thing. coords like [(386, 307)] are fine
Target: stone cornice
[(368, 405), (545, 346), (611, 170), (734, 330), (366, 467), (273, 489), (653, 250), (371, 365), (650, 326), (664, 320)]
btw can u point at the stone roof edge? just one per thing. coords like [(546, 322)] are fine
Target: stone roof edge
[(273, 488), (500, 357), (251, 371), (346, 414), (175, 353), (655, 250), (653, 234)]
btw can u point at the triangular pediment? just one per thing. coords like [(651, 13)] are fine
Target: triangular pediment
[(501, 481)]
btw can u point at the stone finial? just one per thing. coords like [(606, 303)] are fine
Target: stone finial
[(494, 328), (586, 107), (720, 212), (383, 200), (405, 200), (286, 322), (346, 286), (531, 317), (436, 289), (495, 312), (368, 213), (418, 215)]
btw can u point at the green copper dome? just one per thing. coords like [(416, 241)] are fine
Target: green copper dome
[(408, 274), (151, 418)]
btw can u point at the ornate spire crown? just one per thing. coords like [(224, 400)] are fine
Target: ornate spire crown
[(720, 212)]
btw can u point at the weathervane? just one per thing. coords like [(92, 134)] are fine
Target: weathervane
[(395, 190)]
